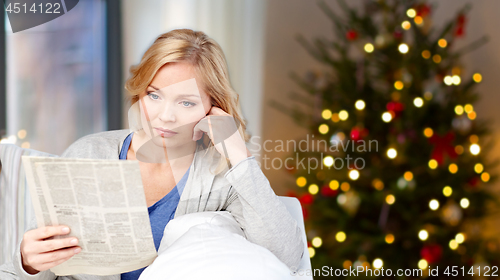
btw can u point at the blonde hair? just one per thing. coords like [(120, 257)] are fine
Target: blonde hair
[(210, 66)]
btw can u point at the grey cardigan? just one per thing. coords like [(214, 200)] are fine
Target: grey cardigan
[(242, 190)]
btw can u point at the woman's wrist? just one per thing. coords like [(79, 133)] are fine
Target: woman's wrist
[(28, 268)]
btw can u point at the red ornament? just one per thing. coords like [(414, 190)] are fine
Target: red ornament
[(431, 253), (355, 133), (351, 35), (327, 191), (306, 198), (460, 26), (474, 181), (358, 133), (423, 10), (442, 146), (398, 34), (395, 107)]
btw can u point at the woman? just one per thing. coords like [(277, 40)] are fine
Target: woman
[(187, 128)]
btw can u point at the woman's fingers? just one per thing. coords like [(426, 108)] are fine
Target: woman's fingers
[(217, 127), (200, 128), (55, 244), (57, 257), (46, 232), (37, 250)]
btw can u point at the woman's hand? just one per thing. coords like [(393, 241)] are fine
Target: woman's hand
[(38, 254), (222, 130)]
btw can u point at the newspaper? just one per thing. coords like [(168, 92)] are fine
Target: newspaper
[(103, 203)]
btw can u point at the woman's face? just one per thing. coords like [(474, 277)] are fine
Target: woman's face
[(174, 101)]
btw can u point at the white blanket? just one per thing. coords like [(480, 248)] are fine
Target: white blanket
[(211, 245)]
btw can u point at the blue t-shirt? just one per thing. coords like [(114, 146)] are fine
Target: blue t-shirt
[(160, 213)]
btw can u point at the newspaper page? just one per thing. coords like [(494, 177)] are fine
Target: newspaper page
[(103, 203)]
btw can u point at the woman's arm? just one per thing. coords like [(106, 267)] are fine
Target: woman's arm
[(263, 217)]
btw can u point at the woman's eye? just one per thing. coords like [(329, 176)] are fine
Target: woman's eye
[(153, 96), (187, 104)]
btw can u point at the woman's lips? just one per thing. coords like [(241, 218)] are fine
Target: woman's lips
[(165, 133)]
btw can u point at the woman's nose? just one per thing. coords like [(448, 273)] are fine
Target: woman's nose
[(167, 115)]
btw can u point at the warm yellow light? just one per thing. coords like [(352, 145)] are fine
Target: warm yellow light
[(460, 238), (326, 114), (360, 104), (418, 102), (328, 161), (21, 134), (419, 20), (389, 238), (343, 115), (459, 110), (312, 252), (347, 264), (453, 244), (426, 54), (340, 236), (345, 186), (369, 48), (428, 132), (468, 108), (448, 80), (334, 184), (428, 95), (456, 70), (436, 58), (323, 129), (316, 241), (392, 153), (447, 191), (377, 263), (485, 177), (403, 48), (473, 138), (434, 204), (408, 176), (433, 164), (423, 235), (422, 264), (341, 136), (471, 115), (398, 85), (464, 202), (386, 117), (456, 80), (478, 168), (390, 199), (354, 174), (453, 168), (459, 149), (301, 181), (313, 189), (411, 13), (335, 117), (378, 184), (406, 25), (477, 77), (442, 43), (475, 149)]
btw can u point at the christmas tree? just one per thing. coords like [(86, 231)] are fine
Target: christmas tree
[(395, 107)]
